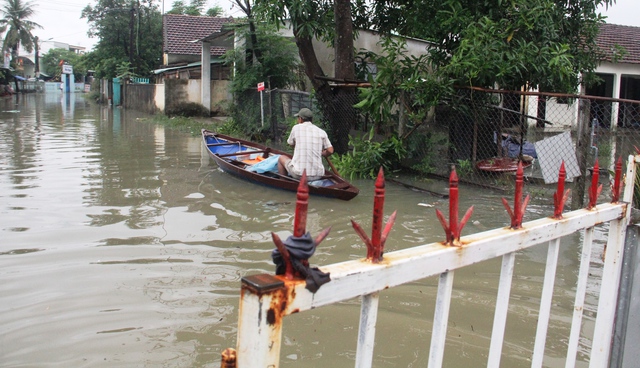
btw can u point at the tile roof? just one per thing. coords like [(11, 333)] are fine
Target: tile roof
[(179, 30), (625, 36)]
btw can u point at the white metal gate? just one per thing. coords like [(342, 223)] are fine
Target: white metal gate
[(267, 299)]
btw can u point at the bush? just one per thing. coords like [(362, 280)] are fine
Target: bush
[(187, 109), (367, 156)]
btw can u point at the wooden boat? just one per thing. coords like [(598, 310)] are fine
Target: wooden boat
[(236, 156)]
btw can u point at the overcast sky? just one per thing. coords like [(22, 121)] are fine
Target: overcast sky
[(61, 21)]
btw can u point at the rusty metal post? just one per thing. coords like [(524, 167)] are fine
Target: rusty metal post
[(228, 358), (375, 245), (595, 189), (454, 228), (518, 205), (617, 182), (560, 196), (263, 302)]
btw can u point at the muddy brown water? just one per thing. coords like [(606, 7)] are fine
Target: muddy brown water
[(122, 245)]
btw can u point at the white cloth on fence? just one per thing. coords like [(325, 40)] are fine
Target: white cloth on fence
[(551, 152)]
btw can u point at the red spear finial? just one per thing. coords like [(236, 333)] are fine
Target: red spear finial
[(595, 189), (518, 206), (454, 228), (375, 245), (560, 196)]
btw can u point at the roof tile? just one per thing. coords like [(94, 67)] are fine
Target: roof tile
[(628, 37), (180, 30)]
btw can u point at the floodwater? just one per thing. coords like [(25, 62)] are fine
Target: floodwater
[(122, 245)]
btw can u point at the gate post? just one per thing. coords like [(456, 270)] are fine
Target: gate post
[(262, 307)]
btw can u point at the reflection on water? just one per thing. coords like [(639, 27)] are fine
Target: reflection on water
[(122, 244)]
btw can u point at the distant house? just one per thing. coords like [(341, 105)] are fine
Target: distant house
[(621, 77)]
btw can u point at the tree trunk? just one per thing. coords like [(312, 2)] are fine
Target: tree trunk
[(14, 53), (344, 114)]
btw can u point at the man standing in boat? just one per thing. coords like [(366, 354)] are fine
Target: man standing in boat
[(310, 144)]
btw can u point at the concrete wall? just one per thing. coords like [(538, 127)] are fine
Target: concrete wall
[(366, 40), (175, 91), (188, 90), (140, 97), (154, 98), (220, 94), (194, 91)]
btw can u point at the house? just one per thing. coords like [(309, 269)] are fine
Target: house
[(183, 61), (620, 74), (620, 79), (181, 51)]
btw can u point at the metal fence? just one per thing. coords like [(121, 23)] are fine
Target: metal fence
[(485, 133), (266, 299)]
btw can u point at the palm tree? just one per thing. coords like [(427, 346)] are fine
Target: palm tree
[(16, 23)]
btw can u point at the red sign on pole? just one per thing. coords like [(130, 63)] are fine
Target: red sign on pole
[(260, 86)]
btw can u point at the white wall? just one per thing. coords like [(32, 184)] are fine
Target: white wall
[(159, 96)]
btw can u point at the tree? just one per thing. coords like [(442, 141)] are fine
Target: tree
[(277, 65), (128, 31), (15, 21), (51, 62), (546, 44), (215, 11), (321, 20), (543, 44), (195, 7)]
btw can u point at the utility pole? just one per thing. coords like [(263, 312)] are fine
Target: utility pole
[(133, 9)]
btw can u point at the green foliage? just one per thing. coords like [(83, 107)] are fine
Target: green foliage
[(111, 21), (537, 43), (187, 109), (181, 123), (52, 58), (195, 7), (215, 11), (278, 67), (464, 167), (95, 95), (404, 78), (367, 156), (232, 128), (310, 18), (428, 148), (124, 70), (246, 113)]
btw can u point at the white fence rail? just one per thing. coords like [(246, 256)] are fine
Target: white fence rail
[(266, 299)]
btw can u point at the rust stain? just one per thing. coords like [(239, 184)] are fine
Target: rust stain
[(280, 300), (229, 358), (271, 317)]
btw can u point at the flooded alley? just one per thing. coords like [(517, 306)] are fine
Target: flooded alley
[(123, 245)]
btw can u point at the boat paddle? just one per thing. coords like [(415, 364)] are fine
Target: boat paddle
[(333, 168)]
